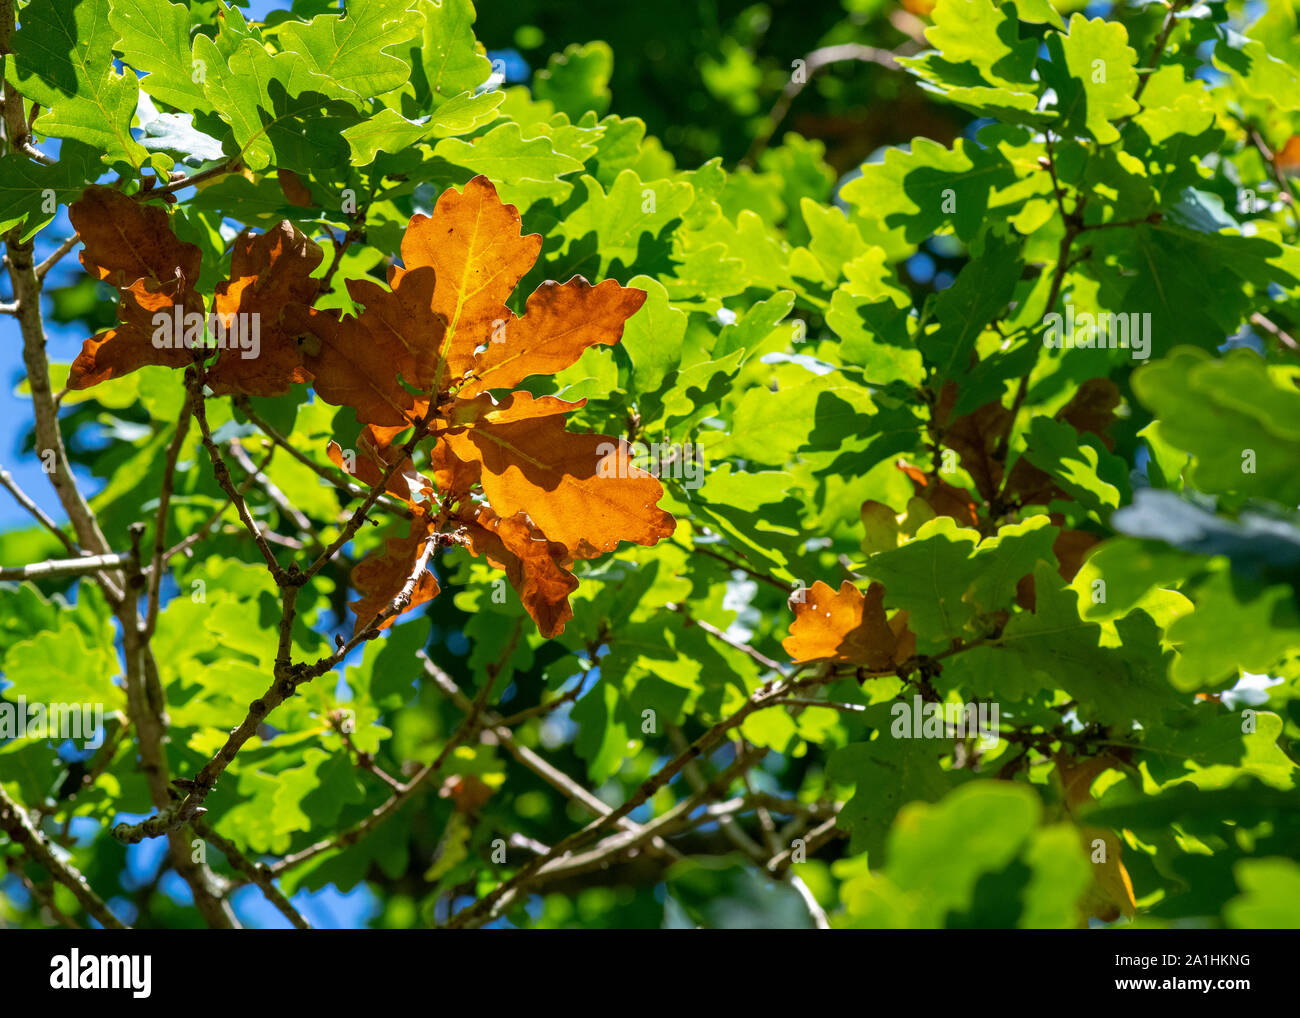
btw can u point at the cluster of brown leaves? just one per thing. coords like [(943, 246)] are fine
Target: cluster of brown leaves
[(848, 627), (423, 357), (131, 246), (977, 439)]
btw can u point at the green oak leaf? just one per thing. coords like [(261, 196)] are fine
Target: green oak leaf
[(577, 80), (981, 290), (154, 36), (352, 50), (932, 187), (389, 131), (63, 60), (1238, 625), (60, 666), (275, 107), (888, 774), (1078, 462), (31, 193), (984, 35), (525, 170), (1270, 898), (929, 577), (449, 55), (1094, 73), (1238, 418)]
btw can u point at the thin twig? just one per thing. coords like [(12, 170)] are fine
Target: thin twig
[(1275, 331), (65, 567), (32, 152), (526, 757), (722, 637), (277, 497), (472, 723), (43, 269), (256, 872), (771, 581), (1162, 41), (25, 500), (194, 382), (43, 895), (229, 166), (818, 836), (152, 595), (18, 825), (191, 540), (355, 490), (486, 908)]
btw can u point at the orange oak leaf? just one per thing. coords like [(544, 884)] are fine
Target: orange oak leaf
[(268, 274), (536, 568), (848, 627), (519, 406), (452, 476), (439, 349), (1287, 158), (559, 323), (579, 489), (460, 265), (360, 361), (398, 576), (443, 322), (474, 245)]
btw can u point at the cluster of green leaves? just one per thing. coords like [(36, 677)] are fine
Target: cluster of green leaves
[(784, 341)]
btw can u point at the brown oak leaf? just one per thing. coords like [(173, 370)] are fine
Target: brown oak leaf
[(468, 792), (268, 274), (362, 361), (130, 246), (944, 498), (975, 438), (126, 240), (536, 568), (295, 191), (400, 573)]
